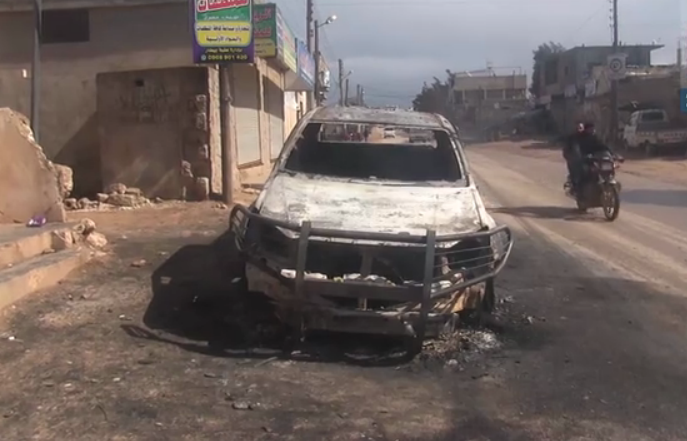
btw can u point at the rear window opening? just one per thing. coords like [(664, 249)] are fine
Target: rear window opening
[(653, 116), (365, 151)]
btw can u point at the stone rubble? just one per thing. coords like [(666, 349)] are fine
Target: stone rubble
[(84, 232), (116, 196)]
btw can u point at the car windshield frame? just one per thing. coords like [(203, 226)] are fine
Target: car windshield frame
[(455, 146)]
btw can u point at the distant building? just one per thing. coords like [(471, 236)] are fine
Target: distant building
[(574, 84), (487, 99), (567, 72), (472, 90)]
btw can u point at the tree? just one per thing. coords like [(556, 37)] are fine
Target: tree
[(432, 98), (540, 55)]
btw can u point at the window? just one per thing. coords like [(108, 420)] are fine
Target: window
[(551, 71), (393, 159), (653, 116), (66, 26)]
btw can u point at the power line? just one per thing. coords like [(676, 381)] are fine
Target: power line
[(586, 21), (325, 38)]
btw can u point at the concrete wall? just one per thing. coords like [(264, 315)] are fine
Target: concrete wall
[(127, 38), (151, 121), (500, 82), (28, 181)]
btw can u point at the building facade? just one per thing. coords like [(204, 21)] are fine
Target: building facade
[(575, 86), (486, 100), (570, 70), (85, 38)]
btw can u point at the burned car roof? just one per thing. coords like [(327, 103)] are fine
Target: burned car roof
[(407, 118)]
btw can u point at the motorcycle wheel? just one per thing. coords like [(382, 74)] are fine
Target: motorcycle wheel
[(610, 202)]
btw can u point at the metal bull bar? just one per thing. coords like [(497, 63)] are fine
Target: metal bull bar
[(457, 269)]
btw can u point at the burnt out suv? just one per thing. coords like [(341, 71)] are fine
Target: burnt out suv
[(371, 237)]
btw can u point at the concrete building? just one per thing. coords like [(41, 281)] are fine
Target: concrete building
[(570, 79), (487, 99), (468, 89), (570, 70), (84, 40)]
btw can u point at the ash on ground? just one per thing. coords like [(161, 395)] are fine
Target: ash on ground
[(458, 348)]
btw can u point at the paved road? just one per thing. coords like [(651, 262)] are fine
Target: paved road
[(623, 330), (649, 238), (592, 345)]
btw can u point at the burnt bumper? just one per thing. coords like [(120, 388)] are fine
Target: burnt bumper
[(416, 302)]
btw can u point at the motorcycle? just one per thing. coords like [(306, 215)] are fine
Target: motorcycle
[(598, 185)]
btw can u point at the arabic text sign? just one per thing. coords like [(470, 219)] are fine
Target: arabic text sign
[(287, 44), (264, 22), (223, 31)]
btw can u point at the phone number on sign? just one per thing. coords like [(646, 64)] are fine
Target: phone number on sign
[(225, 57)]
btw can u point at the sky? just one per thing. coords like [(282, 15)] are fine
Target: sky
[(393, 46)]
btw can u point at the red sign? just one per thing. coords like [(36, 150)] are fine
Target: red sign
[(215, 5)]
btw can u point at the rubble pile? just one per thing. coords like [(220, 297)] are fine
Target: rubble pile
[(115, 196), (83, 232)]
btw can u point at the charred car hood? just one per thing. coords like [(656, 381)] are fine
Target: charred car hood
[(372, 206)]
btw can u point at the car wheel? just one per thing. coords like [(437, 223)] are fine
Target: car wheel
[(478, 316)]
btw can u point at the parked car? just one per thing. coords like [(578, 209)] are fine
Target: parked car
[(389, 132), (651, 131), (372, 238), (420, 136)]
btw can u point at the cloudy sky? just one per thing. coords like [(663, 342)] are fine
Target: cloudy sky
[(393, 46)]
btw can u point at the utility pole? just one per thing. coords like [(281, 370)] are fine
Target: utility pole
[(310, 30), (347, 102), (614, 83), (36, 69), (318, 94), (341, 82)]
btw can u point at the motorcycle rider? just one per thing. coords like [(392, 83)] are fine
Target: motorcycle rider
[(590, 143), (572, 155), (585, 143)]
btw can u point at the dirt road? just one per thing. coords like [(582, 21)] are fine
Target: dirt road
[(591, 345)]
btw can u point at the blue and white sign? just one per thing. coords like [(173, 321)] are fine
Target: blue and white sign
[(306, 63)]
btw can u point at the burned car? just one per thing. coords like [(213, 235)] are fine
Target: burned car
[(371, 237)]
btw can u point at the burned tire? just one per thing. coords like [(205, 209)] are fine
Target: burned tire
[(489, 300), (475, 317)]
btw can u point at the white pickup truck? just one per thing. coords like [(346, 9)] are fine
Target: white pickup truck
[(651, 130)]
